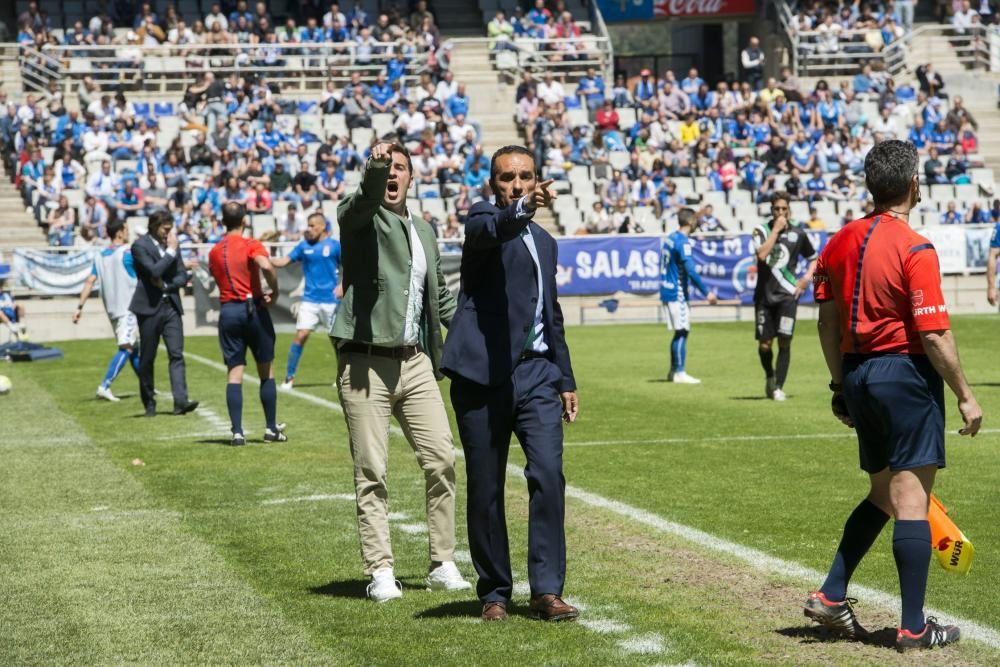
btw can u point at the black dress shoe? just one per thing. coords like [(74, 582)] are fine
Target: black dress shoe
[(150, 411), (186, 407)]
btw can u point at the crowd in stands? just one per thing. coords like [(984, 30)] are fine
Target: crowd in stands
[(662, 143), (238, 36), (238, 138)]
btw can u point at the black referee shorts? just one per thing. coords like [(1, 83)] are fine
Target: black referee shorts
[(243, 324), (897, 404)]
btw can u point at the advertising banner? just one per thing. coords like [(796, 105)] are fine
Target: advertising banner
[(615, 11)]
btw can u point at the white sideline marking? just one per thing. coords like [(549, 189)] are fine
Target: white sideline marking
[(309, 499), (398, 516), (643, 644), (462, 556), (735, 438), (412, 528), (604, 627), (753, 557)]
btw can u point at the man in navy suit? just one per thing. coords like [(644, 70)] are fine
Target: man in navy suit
[(507, 357)]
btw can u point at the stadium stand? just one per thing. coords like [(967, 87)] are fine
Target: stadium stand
[(269, 105)]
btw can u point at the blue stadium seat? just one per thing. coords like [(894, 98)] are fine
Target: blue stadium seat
[(308, 107), (163, 108), (572, 102), (141, 109)]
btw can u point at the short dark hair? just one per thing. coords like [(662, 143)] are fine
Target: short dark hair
[(507, 150), (114, 228), (397, 147), (889, 170), (159, 218), (233, 213), (686, 217), (783, 196), (316, 214)]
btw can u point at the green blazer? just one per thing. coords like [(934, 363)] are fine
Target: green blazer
[(376, 259)]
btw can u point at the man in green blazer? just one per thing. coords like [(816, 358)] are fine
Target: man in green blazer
[(388, 340)]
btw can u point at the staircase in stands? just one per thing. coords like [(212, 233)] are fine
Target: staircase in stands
[(491, 103), (17, 228)]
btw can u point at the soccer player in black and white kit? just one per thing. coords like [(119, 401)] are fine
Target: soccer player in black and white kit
[(778, 245)]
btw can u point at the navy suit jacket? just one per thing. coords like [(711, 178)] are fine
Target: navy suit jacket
[(158, 276), (498, 297)]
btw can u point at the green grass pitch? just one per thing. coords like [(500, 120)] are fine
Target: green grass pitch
[(151, 542)]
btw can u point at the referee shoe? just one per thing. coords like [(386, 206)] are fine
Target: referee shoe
[(838, 617), (275, 436), (934, 634)]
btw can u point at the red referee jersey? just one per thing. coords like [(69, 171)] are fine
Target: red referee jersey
[(232, 264), (886, 282)]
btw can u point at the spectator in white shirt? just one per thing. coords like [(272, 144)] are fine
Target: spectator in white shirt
[(551, 91), (216, 16), (411, 123), (963, 18), (528, 110), (181, 34), (886, 125), (446, 87), (334, 15), (104, 184), (95, 142), (459, 128)]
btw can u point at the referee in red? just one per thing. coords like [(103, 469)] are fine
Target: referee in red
[(236, 263), (883, 325)]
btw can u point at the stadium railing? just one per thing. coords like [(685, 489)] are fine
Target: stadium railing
[(972, 48), (167, 67)]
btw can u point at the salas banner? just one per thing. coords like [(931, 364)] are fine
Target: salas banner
[(645, 10), (611, 264)]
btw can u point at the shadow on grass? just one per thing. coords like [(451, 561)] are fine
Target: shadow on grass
[(815, 634), (312, 385), (984, 384), (222, 441), (454, 609), (349, 588), (748, 398)]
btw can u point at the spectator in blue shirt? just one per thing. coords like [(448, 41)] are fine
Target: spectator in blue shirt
[(918, 134), (942, 138), (952, 216), (864, 83), (591, 89), (539, 15), (803, 152), (816, 186), (458, 103), (381, 94), (692, 82), (270, 138), (644, 92), (475, 176), (396, 68)]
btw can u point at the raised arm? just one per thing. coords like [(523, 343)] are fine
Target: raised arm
[(149, 266), (358, 209), (488, 226), (764, 244)]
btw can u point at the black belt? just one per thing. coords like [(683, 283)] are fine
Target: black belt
[(403, 353), (531, 354)]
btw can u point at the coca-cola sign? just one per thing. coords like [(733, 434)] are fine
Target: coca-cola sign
[(644, 10)]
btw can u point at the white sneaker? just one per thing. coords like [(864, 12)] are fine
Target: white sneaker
[(286, 385), (779, 395), (446, 577), (684, 378), (384, 586), (105, 394)]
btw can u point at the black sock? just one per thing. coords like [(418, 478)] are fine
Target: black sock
[(269, 399), (911, 546), (860, 532), (234, 401), (784, 360), (766, 359)]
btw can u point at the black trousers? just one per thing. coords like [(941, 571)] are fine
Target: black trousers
[(166, 323), (529, 407)]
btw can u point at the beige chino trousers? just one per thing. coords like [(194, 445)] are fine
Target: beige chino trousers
[(372, 390)]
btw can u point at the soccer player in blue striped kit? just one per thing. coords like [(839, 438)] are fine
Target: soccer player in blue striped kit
[(114, 269), (677, 272)]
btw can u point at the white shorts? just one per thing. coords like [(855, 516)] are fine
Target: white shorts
[(677, 315), (313, 314), (126, 329)]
